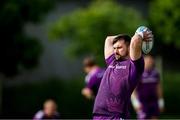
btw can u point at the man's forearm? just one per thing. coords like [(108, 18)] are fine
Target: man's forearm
[(160, 96), (135, 102), (135, 47), (108, 47)]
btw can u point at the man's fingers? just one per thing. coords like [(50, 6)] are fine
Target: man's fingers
[(148, 32), (148, 39), (149, 35)]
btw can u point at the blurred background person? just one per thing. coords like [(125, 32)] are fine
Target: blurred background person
[(49, 111), (93, 77), (147, 99)]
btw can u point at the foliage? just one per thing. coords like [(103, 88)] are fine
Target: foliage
[(87, 28), (165, 20), (17, 49)]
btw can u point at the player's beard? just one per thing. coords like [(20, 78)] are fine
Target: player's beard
[(118, 56)]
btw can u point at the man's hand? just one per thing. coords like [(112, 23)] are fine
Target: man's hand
[(135, 102), (148, 36), (87, 93), (144, 33), (161, 104)]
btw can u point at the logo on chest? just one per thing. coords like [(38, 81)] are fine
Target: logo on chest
[(117, 66)]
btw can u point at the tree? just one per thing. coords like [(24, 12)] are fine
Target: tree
[(19, 51), (87, 28), (165, 20)]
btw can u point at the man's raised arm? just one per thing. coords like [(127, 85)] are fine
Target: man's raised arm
[(108, 47)]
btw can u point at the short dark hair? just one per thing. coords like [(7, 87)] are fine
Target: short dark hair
[(89, 61), (124, 37)]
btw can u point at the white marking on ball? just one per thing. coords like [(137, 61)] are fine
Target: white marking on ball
[(147, 46)]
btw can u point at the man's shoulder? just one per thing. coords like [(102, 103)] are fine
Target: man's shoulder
[(138, 65), (110, 59)]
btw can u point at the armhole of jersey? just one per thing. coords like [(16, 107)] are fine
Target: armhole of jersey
[(109, 59), (133, 68), (137, 62)]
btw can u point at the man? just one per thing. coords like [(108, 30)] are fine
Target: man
[(147, 99), (49, 111), (93, 78), (125, 66)]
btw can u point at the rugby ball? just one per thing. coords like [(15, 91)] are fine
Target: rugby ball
[(146, 45)]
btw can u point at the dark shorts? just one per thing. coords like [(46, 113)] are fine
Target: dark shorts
[(149, 111), (104, 117)]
